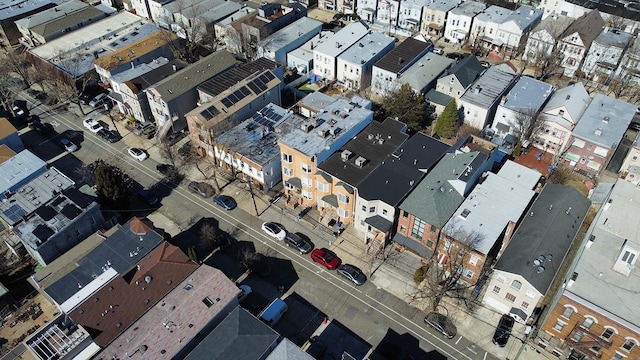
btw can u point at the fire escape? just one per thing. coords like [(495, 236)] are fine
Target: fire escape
[(588, 343)]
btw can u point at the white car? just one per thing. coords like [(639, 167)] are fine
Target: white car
[(91, 125), (99, 99), (68, 145), (275, 230), (138, 153)]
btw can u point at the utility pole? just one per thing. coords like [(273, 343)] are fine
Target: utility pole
[(529, 332), (255, 206)]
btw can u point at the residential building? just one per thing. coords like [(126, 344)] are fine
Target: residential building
[(149, 48), (559, 117), (16, 10), (227, 34), (314, 103), (193, 309), (422, 76), (386, 71), (434, 16), (354, 65), (386, 13), (380, 193), (301, 59), (72, 54), (277, 45), (424, 212), (339, 176), (605, 54), (149, 9), (9, 136), (534, 257), (410, 15), (129, 87), (24, 167), (576, 40), (454, 83), (87, 267), (195, 20), (52, 23), (230, 98), (542, 40), (517, 26), (519, 108), (108, 312), (584, 323), (480, 101), (286, 349), (57, 338), (172, 97), (597, 135), (326, 54), (250, 149), (484, 30), (480, 229), (230, 338), (306, 147), (459, 21), (628, 71), (630, 169)]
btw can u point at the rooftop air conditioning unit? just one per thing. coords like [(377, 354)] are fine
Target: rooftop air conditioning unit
[(360, 161), (346, 154)]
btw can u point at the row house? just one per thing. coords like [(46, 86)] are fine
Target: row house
[(422, 76), (542, 40), (325, 55), (301, 59), (193, 21), (516, 26), (387, 13), (306, 147), (340, 175), (454, 83), (532, 261), (386, 71), (605, 54), (354, 66), (630, 169), (149, 9), (410, 14), (459, 21), (434, 16), (587, 324), (558, 119), (480, 229), (519, 108), (279, 44), (484, 30), (424, 212), (16, 10), (380, 193), (597, 135), (628, 72), (574, 43)]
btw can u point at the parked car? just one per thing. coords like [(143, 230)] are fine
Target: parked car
[(438, 50), (42, 128), (326, 258), (174, 138), (245, 291), (224, 201), (485, 64), (456, 56), (442, 324), (140, 128), (91, 125), (19, 108), (273, 313), (138, 154), (149, 132), (201, 188), (275, 230), (148, 197), (299, 242), (352, 273), (36, 94), (68, 145), (503, 330), (98, 100), (166, 169), (108, 135)]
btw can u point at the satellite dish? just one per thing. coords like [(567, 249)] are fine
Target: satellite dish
[(540, 269), (549, 257), (536, 262)]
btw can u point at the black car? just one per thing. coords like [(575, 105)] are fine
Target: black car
[(456, 56), (166, 169), (148, 197), (442, 324), (42, 128), (299, 242), (36, 94), (203, 189), (352, 273), (503, 330), (108, 135)]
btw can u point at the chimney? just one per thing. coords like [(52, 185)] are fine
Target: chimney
[(312, 45), (95, 54), (503, 101), (400, 61), (175, 68)]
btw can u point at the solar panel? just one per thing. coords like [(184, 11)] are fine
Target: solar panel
[(238, 94), (254, 88), (260, 85), (226, 102), (263, 78), (14, 213), (269, 75), (233, 98)]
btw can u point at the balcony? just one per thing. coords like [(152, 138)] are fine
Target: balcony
[(586, 341)]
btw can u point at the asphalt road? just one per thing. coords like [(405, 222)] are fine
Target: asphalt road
[(365, 315)]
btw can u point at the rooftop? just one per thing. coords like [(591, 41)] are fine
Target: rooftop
[(397, 60), (217, 12), (490, 86), (6, 128), (329, 126), (595, 266), (488, 210), (425, 71), (108, 312), (548, 232), (344, 38), (528, 95), (494, 14), (439, 194), (469, 8), (399, 172), (18, 169), (287, 350), (605, 121), (614, 38), (368, 47), (285, 36), (187, 309), (48, 15), (6, 153), (222, 82), (467, 70), (555, 25), (373, 144), (442, 5), (120, 251), (574, 98), (34, 194), (519, 174), (588, 26), (306, 50), (524, 17), (129, 53), (193, 75), (73, 19), (316, 101), (10, 9), (240, 336), (145, 76)]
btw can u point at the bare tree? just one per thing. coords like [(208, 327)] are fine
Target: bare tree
[(188, 24), (72, 80), (16, 62), (546, 60), (249, 258), (211, 237), (525, 123), (7, 94), (622, 84)]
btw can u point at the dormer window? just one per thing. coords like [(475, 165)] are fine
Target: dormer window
[(626, 260)]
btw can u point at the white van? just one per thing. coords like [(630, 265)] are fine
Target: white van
[(438, 50), (272, 313)]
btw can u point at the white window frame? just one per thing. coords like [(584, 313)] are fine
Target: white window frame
[(307, 195), (307, 182), (322, 187)]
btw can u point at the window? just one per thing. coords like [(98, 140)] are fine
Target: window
[(307, 195), (343, 198), (418, 228), (364, 208), (496, 289), (405, 214), (323, 187), (587, 322), (629, 344), (287, 171), (628, 257), (188, 287), (287, 158), (385, 211), (473, 260), (524, 305), (306, 168), (567, 312), (403, 229), (516, 285), (577, 336), (372, 209), (559, 325), (307, 181), (510, 297), (432, 229), (207, 302), (447, 245), (607, 333), (343, 213), (617, 356), (468, 273)]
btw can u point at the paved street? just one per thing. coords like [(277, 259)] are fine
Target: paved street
[(368, 311)]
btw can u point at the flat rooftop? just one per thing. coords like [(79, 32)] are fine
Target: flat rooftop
[(425, 71), (397, 59), (520, 174), (344, 38), (469, 8), (127, 54), (494, 14), (442, 5), (305, 52), (14, 8), (605, 121), (149, 74), (614, 37), (528, 95), (285, 36), (48, 15), (17, 169), (491, 85), (366, 48)]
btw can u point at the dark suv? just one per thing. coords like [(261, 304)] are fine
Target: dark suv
[(503, 331), (298, 242)]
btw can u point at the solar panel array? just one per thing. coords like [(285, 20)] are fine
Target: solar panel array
[(209, 113), (259, 84), (14, 213), (236, 96), (267, 117)]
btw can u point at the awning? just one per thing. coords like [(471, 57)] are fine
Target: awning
[(519, 315), (593, 165), (572, 157), (379, 223), (413, 21), (578, 143), (345, 186), (435, 26), (413, 245), (324, 175), (497, 42), (295, 182), (331, 200), (115, 96)]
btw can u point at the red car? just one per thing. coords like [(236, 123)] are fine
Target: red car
[(326, 258)]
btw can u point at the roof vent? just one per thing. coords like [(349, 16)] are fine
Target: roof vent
[(147, 279), (345, 155), (598, 132), (360, 161), (306, 127), (323, 133), (606, 119)]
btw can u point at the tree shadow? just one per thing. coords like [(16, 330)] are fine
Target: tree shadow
[(395, 346), (190, 239)]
